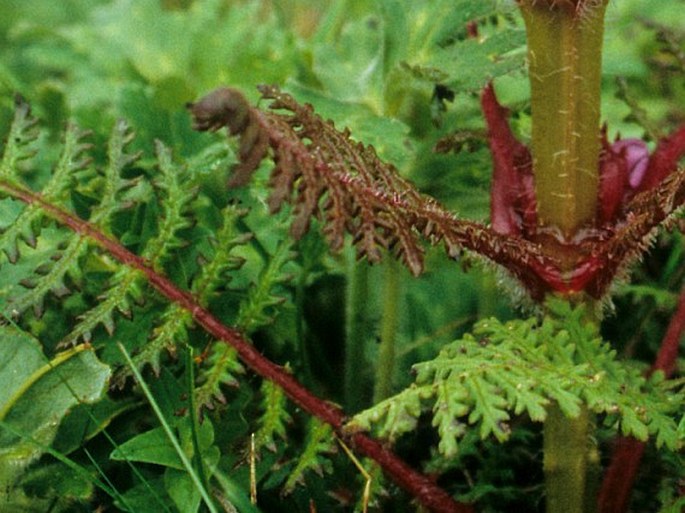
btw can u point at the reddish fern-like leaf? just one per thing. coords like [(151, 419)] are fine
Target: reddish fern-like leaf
[(325, 174)]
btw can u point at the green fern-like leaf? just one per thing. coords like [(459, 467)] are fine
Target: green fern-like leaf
[(20, 144), (254, 312), (171, 333), (221, 369), (109, 187), (215, 271), (320, 442), (175, 217), (126, 285), (27, 225), (222, 365), (175, 214), (255, 309), (49, 277), (521, 367), (274, 418)]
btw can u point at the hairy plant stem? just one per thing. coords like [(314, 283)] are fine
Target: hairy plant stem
[(356, 297), (571, 461), (385, 364), (565, 461), (564, 59)]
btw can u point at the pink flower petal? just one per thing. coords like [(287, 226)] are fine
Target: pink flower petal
[(636, 155)]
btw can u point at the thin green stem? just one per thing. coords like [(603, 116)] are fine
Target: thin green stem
[(385, 365), (357, 296), (195, 423), (300, 293), (564, 58)]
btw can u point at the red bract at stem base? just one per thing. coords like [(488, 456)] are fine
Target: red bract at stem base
[(426, 492)]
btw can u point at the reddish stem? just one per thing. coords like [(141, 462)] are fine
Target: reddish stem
[(418, 485), (668, 352), (619, 478)]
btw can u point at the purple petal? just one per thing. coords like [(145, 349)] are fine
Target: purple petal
[(636, 155)]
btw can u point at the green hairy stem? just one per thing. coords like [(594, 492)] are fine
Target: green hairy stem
[(355, 335), (564, 57), (385, 366), (566, 461)]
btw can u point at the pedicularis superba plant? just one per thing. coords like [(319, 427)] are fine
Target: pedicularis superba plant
[(147, 301)]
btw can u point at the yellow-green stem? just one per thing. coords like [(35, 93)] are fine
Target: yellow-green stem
[(385, 369), (571, 458), (564, 58), (566, 453), (357, 296)]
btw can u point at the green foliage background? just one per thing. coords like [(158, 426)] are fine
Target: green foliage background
[(372, 67)]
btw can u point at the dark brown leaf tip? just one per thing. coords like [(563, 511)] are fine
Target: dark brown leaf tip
[(222, 107), (228, 107)]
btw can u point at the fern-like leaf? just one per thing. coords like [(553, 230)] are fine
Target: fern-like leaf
[(275, 417), (215, 271), (221, 365), (27, 225), (175, 205), (221, 368), (20, 144), (254, 310), (326, 174), (109, 187), (320, 442), (49, 277), (522, 367), (176, 216)]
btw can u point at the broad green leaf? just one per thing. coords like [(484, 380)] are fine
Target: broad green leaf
[(154, 447), (87, 421), (57, 477), (182, 491), (150, 447), (38, 393)]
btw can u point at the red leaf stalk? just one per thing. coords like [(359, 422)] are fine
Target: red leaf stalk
[(429, 494), (619, 478)]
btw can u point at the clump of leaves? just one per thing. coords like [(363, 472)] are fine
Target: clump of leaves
[(522, 367), (85, 255)]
